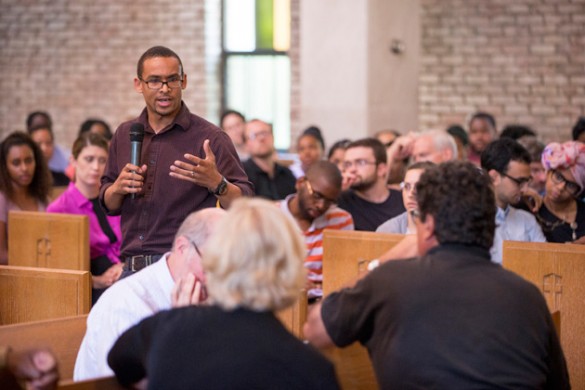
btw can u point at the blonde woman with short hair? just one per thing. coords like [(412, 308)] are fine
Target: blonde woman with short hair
[(253, 266)]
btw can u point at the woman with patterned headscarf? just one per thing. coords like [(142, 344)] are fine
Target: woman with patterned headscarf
[(562, 214)]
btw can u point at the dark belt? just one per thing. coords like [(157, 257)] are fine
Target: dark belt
[(138, 262)]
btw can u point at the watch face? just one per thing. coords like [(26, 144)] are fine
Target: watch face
[(222, 187)]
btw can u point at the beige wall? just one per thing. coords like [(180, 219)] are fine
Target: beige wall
[(523, 61), (351, 83)]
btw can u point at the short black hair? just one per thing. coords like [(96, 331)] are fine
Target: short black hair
[(498, 154), (578, 128), (157, 51), (464, 213), (315, 132), (86, 126), (489, 118), (374, 144), (31, 117), (230, 112), (457, 131), (517, 131), (341, 144), (327, 170)]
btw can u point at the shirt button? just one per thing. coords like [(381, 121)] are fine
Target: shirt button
[(141, 237)]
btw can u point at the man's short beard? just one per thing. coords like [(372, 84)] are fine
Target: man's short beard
[(363, 185), (265, 155)]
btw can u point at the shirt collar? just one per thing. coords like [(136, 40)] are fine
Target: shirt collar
[(182, 120)]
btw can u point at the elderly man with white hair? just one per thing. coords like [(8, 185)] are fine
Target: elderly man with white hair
[(436, 146)]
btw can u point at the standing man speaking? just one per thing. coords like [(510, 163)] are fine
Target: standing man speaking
[(186, 164)]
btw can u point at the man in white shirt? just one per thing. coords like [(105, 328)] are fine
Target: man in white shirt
[(141, 295), (508, 165)]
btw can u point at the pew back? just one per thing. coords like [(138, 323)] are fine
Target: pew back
[(345, 256), (293, 317), (48, 240), (62, 336), (558, 270), (34, 294)]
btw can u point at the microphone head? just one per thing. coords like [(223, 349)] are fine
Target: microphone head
[(137, 132)]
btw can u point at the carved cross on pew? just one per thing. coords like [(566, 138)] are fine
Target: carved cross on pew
[(553, 289), (43, 251)]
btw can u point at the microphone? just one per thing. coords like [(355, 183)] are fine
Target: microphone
[(136, 137)]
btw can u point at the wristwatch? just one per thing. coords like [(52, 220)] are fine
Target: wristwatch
[(221, 188)]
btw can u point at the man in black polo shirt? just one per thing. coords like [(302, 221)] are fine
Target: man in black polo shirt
[(271, 180), (450, 318)]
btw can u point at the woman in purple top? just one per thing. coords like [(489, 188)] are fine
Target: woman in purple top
[(25, 181), (89, 156)]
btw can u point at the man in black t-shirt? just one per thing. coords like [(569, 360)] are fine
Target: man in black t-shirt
[(369, 200), (449, 319), (271, 180)]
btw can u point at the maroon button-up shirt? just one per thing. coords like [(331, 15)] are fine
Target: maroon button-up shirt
[(150, 221)]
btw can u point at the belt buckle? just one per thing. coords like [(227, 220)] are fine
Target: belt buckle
[(140, 259)]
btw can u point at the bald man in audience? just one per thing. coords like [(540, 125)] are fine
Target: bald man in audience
[(158, 287), (448, 318), (436, 146), (314, 209)]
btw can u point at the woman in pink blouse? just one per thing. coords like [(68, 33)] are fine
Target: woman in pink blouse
[(88, 156), (25, 181)]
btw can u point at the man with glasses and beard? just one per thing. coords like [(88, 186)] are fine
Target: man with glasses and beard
[(368, 200), (314, 209), (508, 165)]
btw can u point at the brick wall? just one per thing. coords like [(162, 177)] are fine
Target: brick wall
[(522, 60), (77, 58)]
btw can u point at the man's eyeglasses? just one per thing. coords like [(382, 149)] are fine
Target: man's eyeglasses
[(415, 214), (196, 248), (520, 181), (172, 82), (571, 187), (259, 134), (359, 163), (319, 197)]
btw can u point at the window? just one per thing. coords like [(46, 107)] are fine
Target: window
[(256, 65)]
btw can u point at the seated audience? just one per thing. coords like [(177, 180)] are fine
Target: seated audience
[(562, 214), (145, 293), (461, 139), (449, 318), (43, 136), (507, 164), (396, 162), (314, 209), (25, 181), (88, 157), (369, 200), (311, 148), (579, 130), (32, 369), (234, 123), (337, 152), (482, 131), (59, 159), (253, 268), (403, 223), (271, 180)]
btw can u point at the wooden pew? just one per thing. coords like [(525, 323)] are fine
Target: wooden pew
[(295, 316), (48, 240), (345, 256), (34, 294), (62, 336), (558, 270), (107, 383)]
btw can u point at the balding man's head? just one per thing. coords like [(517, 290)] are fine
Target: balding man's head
[(318, 189), (436, 146), (199, 225)]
